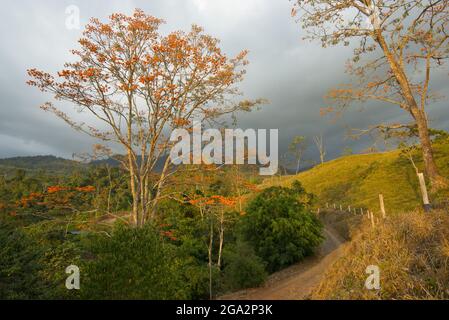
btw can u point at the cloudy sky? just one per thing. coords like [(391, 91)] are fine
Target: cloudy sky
[(291, 73)]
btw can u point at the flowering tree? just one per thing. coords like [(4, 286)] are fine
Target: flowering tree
[(215, 207), (142, 85), (401, 43)]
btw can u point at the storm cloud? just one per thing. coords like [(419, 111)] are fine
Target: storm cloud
[(291, 73)]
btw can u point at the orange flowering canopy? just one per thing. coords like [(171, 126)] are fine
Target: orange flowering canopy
[(142, 84), (127, 71)]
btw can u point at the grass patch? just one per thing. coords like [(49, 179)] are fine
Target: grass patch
[(357, 180), (412, 252)]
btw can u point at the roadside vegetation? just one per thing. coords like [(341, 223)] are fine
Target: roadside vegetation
[(411, 250), (201, 245)]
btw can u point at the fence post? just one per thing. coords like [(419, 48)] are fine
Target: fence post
[(349, 208), (361, 211), (382, 206), (341, 208), (425, 196), (372, 220)]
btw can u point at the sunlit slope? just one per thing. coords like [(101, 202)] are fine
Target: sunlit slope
[(357, 180)]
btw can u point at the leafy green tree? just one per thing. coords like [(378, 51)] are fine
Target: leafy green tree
[(242, 267), (19, 265), (133, 264), (280, 227)]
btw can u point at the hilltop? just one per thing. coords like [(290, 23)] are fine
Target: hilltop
[(357, 180), (47, 163)]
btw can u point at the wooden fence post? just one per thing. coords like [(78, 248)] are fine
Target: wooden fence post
[(425, 196), (341, 208), (372, 220), (382, 206)]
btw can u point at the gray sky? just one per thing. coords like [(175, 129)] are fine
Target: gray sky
[(293, 74)]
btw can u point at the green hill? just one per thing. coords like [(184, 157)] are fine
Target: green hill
[(50, 164), (357, 180)]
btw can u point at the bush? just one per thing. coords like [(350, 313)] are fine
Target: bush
[(33, 262), (19, 265), (132, 264), (280, 227), (242, 268)]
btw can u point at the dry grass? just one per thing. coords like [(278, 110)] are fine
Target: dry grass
[(412, 252)]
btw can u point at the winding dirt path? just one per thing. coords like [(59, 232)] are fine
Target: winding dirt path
[(297, 281)]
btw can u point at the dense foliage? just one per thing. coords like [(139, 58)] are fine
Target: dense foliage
[(197, 248), (132, 264), (18, 265), (280, 227)]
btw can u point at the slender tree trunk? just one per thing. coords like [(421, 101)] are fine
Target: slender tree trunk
[(427, 152), (418, 114), (134, 193), (133, 176), (142, 207), (159, 185), (220, 249), (110, 188), (237, 186), (211, 241)]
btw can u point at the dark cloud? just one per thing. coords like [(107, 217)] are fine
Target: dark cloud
[(293, 74)]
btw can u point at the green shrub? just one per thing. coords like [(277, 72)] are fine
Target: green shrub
[(19, 265), (132, 264), (242, 268), (280, 227)]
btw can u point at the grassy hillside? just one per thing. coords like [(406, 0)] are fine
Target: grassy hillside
[(357, 180)]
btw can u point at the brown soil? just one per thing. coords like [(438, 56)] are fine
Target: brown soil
[(297, 281)]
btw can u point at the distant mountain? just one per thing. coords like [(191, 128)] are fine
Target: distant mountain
[(103, 162), (36, 163), (52, 164)]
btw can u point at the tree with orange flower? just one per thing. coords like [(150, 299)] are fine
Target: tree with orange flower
[(142, 85), (215, 208)]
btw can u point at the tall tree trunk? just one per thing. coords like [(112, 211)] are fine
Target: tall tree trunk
[(134, 194), (418, 114), (158, 190), (220, 248), (427, 152), (133, 176), (211, 241), (110, 188)]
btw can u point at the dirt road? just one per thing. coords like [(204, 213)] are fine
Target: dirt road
[(298, 281)]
